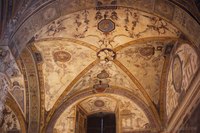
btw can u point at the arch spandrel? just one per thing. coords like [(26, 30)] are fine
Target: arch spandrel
[(62, 62), (12, 77), (125, 102), (10, 121), (183, 68)]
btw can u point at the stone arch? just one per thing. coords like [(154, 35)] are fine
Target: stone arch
[(10, 102), (88, 92), (33, 89), (191, 69)]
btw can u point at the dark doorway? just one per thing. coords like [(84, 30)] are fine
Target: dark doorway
[(101, 123)]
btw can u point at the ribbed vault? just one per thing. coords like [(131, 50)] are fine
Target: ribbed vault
[(102, 56)]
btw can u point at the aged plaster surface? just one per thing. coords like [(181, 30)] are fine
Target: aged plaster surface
[(66, 122), (97, 34), (97, 104), (116, 77), (145, 61), (131, 117), (90, 31), (165, 9), (118, 27), (11, 70), (10, 121), (185, 64), (4, 86), (63, 61)]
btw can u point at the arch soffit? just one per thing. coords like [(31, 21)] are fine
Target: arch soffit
[(10, 101), (60, 99), (52, 118)]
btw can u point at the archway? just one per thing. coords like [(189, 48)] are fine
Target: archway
[(101, 122), (104, 44), (69, 107)]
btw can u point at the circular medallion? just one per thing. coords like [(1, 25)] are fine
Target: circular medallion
[(177, 74), (61, 56), (147, 51), (99, 103), (106, 25), (103, 75)]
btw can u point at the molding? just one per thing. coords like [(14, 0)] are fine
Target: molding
[(16, 109), (163, 88), (34, 91), (140, 87)]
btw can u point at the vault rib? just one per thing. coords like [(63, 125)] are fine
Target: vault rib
[(141, 88), (163, 88), (143, 40), (69, 87)]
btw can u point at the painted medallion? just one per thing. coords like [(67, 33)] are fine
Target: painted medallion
[(106, 25), (177, 73), (99, 103), (61, 56)]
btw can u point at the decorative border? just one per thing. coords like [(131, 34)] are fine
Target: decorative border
[(34, 91)]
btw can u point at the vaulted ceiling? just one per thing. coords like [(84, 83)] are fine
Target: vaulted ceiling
[(114, 48), (103, 57), (107, 40)]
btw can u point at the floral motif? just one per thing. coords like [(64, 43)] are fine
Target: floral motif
[(106, 54)]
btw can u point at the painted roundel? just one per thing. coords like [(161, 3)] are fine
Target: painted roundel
[(106, 25), (61, 56), (177, 74), (99, 103)]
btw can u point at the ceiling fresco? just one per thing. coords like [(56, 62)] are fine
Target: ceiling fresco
[(63, 61), (131, 116), (120, 48), (66, 122), (116, 78), (136, 59), (71, 43), (10, 122), (60, 68), (182, 70), (108, 28), (97, 104), (145, 61), (11, 68)]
